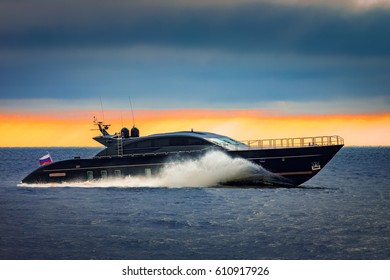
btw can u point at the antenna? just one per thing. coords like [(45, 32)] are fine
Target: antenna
[(101, 107), (132, 112)]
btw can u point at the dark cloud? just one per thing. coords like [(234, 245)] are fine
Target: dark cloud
[(233, 27), (168, 54), (193, 78)]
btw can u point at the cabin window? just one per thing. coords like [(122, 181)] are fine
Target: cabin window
[(118, 173), (103, 173), (186, 141), (129, 147), (228, 143), (195, 141), (144, 144), (162, 142), (150, 145), (179, 141), (89, 175)]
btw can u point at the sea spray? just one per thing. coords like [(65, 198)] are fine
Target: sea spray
[(212, 169)]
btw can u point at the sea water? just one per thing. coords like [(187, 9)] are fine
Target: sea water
[(184, 212)]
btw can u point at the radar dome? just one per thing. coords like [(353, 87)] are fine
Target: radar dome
[(134, 132), (125, 132)]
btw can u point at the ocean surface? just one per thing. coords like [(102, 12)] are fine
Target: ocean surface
[(342, 213)]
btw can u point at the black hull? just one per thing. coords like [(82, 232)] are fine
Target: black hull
[(291, 165), (286, 166)]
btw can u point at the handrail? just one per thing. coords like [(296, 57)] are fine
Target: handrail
[(295, 142)]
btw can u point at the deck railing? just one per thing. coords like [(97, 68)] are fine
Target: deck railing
[(295, 142)]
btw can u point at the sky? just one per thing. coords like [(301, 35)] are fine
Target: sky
[(244, 68)]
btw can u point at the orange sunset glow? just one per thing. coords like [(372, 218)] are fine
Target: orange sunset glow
[(75, 128)]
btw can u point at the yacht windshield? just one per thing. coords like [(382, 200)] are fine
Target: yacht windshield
[(228, 143)]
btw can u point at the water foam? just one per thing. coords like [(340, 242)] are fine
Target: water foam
[(212, 169)]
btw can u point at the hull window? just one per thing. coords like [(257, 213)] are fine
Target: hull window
[(103, 173), (60, 174), (148, 172), (117, 173), (89, 175)]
